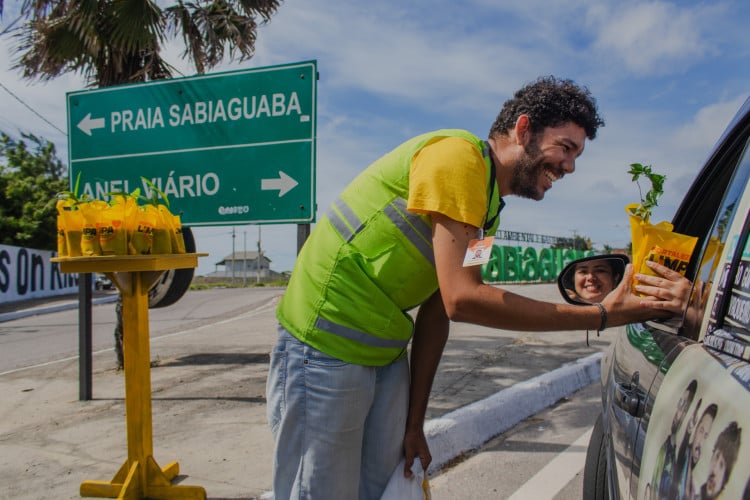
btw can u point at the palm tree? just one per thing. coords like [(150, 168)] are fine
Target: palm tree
[(120, 41), (112, 42)]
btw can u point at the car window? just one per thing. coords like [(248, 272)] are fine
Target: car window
[(730, 312), (719, 203)]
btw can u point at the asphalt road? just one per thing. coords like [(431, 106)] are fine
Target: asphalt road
[(209, 355), (48, 337), (540, 458)]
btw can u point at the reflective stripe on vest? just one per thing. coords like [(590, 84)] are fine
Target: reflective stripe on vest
[(358, 336), (413, 227), (345, 220)]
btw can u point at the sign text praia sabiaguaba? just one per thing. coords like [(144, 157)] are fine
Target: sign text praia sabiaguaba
[(226, 148)]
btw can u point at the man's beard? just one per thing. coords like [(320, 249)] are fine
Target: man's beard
[(525, 179)]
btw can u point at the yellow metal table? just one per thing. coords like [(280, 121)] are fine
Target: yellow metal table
[(140, 476)]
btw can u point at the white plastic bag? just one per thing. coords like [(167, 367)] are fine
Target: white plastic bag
[(402, 488)]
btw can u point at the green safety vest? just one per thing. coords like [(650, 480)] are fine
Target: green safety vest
[(369, 261)]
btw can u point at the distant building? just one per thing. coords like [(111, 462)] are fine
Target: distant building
[(246, 266)]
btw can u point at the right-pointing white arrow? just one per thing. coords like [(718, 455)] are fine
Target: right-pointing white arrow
[(88, 124), (284, 184)]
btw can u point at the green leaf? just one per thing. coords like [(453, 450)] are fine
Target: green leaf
[(155, 194), (651, 199)]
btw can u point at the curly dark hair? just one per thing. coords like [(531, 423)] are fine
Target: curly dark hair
[(550, 102)]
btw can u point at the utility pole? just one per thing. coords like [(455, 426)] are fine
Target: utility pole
[(575, 238), (257, 278)]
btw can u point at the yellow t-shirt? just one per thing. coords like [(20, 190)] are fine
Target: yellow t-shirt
[(449, 177)]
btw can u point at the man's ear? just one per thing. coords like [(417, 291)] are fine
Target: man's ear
[(523, 130)]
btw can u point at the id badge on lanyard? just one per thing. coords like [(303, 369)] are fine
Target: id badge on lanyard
[(479, 250)]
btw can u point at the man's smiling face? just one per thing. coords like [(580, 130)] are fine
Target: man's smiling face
[(547, 157)]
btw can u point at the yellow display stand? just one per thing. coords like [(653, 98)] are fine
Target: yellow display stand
[(134, 275)]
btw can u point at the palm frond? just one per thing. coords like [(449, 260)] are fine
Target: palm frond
[(136, 25), (111, 42)]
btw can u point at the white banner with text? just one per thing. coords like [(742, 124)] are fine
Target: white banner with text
[(26, 273)]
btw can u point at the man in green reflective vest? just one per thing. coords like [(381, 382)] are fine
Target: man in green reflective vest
[(344, 402)]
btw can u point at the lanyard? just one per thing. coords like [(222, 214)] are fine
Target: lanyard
[(489, 222)]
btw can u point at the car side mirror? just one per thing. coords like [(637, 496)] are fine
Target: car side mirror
[(587, 281)]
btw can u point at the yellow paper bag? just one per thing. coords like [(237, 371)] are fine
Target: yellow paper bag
[(664, 247), (658, 243), (92, 213), (72, 223), (174, 225), (162, 240), (638, 235), (113, 236), (140, 231), (62, 243)]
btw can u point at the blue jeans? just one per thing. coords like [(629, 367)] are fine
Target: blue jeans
[(338, 427)]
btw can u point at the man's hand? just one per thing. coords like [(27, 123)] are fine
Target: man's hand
[(670, 291), (666, 295), (623, 306), (415, 447)]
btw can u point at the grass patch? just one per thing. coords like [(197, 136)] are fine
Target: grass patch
[(207, 285)]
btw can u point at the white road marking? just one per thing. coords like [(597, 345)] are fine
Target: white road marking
[(555, 475)]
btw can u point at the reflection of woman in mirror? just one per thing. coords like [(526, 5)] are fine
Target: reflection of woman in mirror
[(594, 279)]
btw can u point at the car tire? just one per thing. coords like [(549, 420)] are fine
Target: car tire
[(175, 282), (595, 469)]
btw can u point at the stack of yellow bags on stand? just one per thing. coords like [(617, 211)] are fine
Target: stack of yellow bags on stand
[(120, 227)]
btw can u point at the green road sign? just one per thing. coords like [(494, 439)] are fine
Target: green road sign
[(226, 148)]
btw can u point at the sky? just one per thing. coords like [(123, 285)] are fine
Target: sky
[(668, 77)]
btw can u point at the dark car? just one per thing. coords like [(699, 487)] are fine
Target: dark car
[(675, 414), (101, 282)]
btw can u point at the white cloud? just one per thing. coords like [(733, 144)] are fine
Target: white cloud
[(397, 56), (651, 37), (707, 125)]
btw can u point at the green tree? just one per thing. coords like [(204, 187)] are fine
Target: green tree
[(30, 177), (577, 242), (113, 42)]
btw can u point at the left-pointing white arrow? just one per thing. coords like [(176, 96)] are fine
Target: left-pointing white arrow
[(88, 124), (284, 184)]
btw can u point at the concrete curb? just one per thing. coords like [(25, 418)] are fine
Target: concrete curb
[(73, 304), (471, 426)]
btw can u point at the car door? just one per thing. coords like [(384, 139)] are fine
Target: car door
[(702, 404), (636, 357), (673, 390)]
